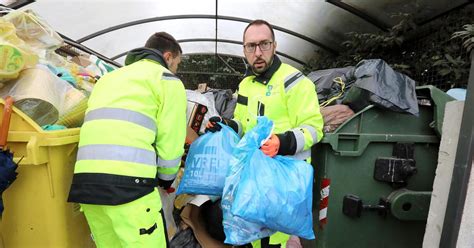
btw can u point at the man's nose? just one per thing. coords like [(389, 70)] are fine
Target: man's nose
[(258, 52)]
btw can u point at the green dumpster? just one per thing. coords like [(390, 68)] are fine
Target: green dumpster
[(374, 176)]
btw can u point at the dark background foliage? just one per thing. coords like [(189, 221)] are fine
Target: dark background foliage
[(219, 72), (436, 53)]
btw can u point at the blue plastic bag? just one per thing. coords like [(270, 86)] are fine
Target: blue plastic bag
[(275, 192), (207, 163), (239, 231)]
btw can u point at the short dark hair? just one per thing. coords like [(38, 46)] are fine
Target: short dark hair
[(164, 42), (259, 22)]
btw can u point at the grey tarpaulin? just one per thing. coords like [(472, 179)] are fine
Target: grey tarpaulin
[(377, 83)]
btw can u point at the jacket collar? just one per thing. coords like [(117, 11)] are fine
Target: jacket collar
[(145, 53), (265, 77)]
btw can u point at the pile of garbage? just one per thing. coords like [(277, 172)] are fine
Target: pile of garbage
[(48, 80), (345, 91)]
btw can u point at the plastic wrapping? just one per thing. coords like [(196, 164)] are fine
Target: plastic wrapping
[(98, 66), (73, 116), (42, 112), (45, 98), (274, 192), (32, 29), (82, 78), (63, 73), (239, 231), (74, 107), (207, 163), (14, 53), (38, 94), (75, 100)]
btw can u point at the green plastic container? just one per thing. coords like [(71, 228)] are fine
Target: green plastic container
[(380, 166)]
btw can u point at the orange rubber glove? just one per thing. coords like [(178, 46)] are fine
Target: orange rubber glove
[(271, 146)]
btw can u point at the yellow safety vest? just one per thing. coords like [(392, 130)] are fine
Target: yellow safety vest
[(289, 99), (135, 125)]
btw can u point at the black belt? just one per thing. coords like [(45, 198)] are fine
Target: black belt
[(100, 178)]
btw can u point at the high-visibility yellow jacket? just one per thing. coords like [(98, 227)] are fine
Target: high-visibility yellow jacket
[(133, 133), (289, 99)]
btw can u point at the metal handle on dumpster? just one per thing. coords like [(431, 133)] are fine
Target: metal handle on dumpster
[(360, 143), (353, 206)]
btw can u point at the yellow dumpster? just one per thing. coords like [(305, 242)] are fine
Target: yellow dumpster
[(37, 213)]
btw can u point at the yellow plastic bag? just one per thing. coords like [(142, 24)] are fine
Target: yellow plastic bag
[(33, 30), (14, 53)]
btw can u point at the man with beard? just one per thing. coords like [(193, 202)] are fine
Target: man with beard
[(283, 94)]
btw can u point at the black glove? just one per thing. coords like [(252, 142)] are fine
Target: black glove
[(287, 143), (212, 125), (165, 184)]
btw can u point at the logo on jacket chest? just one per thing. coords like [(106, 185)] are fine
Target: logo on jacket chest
[(269, 90)]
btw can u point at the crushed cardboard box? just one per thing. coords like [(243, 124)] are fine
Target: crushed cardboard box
[(191, 135), (191, 216)]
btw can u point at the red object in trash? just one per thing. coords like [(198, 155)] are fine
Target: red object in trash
[(170, 190)]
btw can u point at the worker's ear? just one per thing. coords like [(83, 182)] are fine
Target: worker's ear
[(168, 56), (274, 47)]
